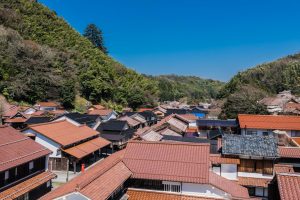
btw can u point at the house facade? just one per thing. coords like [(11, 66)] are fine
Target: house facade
[(23, 166), (153, 170), (70, 143)]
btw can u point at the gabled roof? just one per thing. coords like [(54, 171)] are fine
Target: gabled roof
[(289, 152), (189, 117), (81, 118), (172, 161), (283, 168), (169, 161), (37, 120), (151, 136), (17, 149), (250, 145), (217, 123), (103, 112), (148, 114), (26, 186), (98, 107), (184, 139), (274, 122), (112, 125), (135, 194), (288, 185), (64, 132), (132, 122), (98, 182), (47, 104)]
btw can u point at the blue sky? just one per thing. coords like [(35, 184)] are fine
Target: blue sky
[(211, 38)]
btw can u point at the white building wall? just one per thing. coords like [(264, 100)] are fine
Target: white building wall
[(46, 142), (260, 131), (229, 171), (203, 190)]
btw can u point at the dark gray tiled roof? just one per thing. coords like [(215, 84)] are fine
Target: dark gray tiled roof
[(250, 145)]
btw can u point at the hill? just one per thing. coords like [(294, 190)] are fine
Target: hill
[(195, 89), (246, 88), (43, 58)]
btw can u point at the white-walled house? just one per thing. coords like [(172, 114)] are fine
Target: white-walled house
[(47, 106), (158, 170), (67, 141)]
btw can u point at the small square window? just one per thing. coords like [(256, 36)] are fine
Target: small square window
[(48, 184), (31, 165), (6, 175)]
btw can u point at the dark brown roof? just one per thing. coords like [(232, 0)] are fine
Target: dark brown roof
[(26, 186), (17, 149)]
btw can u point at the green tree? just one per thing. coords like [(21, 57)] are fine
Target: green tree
[(94, 34)]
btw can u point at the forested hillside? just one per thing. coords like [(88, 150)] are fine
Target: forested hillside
[(43, 58), (244, 90), (195, 89)]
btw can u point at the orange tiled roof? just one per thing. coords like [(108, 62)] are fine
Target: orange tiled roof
[(47, 104), (173, 161), (17, 149), (98, 106), (189, 117), (275, 122), (26, 186), (283, 168), (289, 186), (104, 177), (87, 148), (16, 120), (102, 112), (64, 132), (218, 159), (145, 109), (158, 195), (289, 152), (256, 182)]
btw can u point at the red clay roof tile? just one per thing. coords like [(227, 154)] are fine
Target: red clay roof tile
[(280, 122), (64, 132), (289, 152), (26, 186), (289, 186), (17, 149), (87, 148)]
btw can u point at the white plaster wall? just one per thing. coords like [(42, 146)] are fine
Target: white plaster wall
[(254, 175), (260, 131), (203, 190), (68, 119), (229, 171), (54, 147)]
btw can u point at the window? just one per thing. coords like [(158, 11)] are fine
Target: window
[(6, 176), (265, 133), (58, 152), (172, 186), (295, 134), (26, 196), (31, 165), (251, 132), (261, 192), (16, 171), (48, 184)]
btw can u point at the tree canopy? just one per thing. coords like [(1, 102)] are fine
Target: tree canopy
[(94, 34)]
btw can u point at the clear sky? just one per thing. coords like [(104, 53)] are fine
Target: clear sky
[(207, 38)]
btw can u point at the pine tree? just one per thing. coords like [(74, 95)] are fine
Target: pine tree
[(94, 34)]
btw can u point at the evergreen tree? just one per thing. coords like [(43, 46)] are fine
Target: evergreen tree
[(94, 34)]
